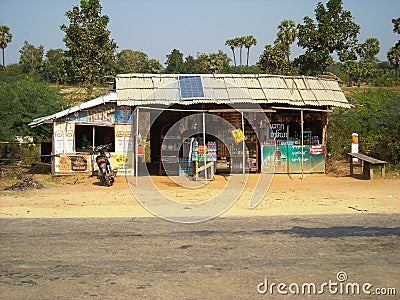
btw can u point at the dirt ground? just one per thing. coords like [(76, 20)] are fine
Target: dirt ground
[(82, 196)]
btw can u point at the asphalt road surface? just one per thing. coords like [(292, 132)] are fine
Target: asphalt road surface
[(226, 258)]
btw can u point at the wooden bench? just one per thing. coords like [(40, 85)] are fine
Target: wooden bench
[(367, 163)]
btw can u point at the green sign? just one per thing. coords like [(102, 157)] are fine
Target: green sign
[(287, 159)]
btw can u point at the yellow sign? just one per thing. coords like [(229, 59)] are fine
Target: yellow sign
[(238, 135)]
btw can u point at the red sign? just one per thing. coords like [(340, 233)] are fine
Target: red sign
[(316, 150)]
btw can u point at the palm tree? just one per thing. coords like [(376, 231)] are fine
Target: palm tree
[(232, 44), (240, 43), (5, 38), (249, 41), (286, 35), (393, 56)]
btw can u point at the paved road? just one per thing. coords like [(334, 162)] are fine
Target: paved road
[(226, 258)]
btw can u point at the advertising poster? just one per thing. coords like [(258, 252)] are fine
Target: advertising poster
[(72, 163), (63, 137), (58, 138), (123, 156), (287, 159), (123, 138), (123, 161)]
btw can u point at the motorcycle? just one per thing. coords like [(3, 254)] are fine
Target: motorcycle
[(105, 172)]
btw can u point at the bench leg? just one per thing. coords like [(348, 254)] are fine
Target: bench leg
[(366, 170), (351, 167)]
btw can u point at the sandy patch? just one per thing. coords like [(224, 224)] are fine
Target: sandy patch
[(287, 195)]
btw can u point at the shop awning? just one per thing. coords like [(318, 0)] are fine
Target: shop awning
[(111, 97)]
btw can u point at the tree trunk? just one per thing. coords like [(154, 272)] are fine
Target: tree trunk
[(234, 57), (350, 81), (367, 80), (396, 72), (240, 57), (3, 56), (248, 54)]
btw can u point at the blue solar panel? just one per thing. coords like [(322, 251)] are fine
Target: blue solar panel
[(191, 87)]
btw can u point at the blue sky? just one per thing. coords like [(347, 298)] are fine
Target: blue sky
[(192, 26)]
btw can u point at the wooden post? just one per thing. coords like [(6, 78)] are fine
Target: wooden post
[(302, 143), (351, 167)]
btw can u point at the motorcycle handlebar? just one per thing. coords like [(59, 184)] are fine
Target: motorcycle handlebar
[(101, 147)]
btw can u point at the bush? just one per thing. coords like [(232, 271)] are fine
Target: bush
[(375, 117)]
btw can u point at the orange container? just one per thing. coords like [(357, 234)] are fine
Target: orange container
[(354, 138)]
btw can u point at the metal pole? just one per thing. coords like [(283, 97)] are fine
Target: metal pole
[(243, 148), (204, 146), (302, 143), (136, 154)]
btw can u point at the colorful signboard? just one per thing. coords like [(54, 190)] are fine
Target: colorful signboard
[(72, 163), (287, 159)]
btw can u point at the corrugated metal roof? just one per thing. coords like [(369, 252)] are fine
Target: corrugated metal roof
[(111, 97), (145, 89)]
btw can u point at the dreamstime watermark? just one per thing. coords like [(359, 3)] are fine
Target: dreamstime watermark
[(340, 286), (201, 123)]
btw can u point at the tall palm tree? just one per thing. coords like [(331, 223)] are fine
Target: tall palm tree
[(240, 43), (232, 44), (286, 35), (5, 38), (249, 41)]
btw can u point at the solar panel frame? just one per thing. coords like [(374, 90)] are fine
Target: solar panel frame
[(191, 87)]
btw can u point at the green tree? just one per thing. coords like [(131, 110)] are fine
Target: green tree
[(5, 39), (232, 43), (31, 57), (175, 62), (273, 59), (90, 54), (53, 66), (240, 41), (393, 56), (352, 69), (249, 41), (130, 61), (24, 97), (334, 31), (152, 66), (367, 52), (286, 35), (374, 119), (216, 62), (396, 29)]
